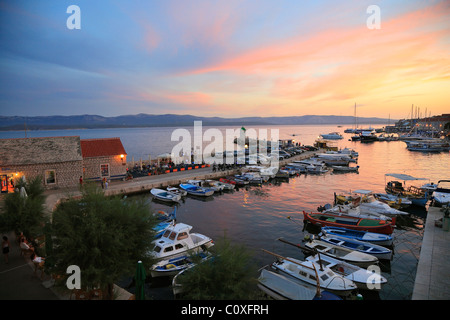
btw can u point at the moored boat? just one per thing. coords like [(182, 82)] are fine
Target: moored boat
[(177, 240), (441, 196), (360, 259), (281, 287), (332, 136), (196, 190), (361, 277), (357, 245), (165, 195), (311, 273), (170, 267), (176, 190), (355, 223), (377, 238)]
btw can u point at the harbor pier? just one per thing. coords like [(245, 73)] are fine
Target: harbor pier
[(433, 269)]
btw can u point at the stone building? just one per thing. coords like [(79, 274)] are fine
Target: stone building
[(103, 158), (57, 160), (60, 161)]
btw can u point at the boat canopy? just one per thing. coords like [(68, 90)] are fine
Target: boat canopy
[(362, 191), (404, 177)]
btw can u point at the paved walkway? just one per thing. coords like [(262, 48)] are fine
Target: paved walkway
[(433, 271)]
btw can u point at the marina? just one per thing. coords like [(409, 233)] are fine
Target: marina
[(269, 204)]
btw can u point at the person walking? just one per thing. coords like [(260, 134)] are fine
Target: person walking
[(5, 248)]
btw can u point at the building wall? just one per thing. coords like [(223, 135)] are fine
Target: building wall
[(66, 174), (92, 167)]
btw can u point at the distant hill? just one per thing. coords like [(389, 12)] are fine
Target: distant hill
[(166, 120)]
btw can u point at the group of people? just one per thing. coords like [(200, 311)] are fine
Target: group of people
[(25, 247)]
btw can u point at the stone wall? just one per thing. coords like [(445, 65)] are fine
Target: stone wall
[(92, 167), (66, 174)]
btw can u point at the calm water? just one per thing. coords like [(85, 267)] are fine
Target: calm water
[(257, 216)]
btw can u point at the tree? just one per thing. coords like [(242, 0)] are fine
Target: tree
[(104, 237), (229, 275), (24, 212)]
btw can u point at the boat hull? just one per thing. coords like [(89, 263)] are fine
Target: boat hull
[(363, 224)]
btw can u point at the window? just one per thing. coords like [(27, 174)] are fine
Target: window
[(166, 233), (173, 235), (178, 246), (168, 249), (50, 177), (104, 170), (157, 249), (182, 235)]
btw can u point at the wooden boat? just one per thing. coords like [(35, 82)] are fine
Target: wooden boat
[(345, 168), (234, 180), (281, 287), (165, 195), (360, 246), (360, 259), (196, 190), (170, 267), (363, 278), (354, 223), (311, 273), (394, 201), (376, 238), (177, 240)]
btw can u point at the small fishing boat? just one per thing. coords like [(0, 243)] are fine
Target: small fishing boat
[(352, 211), (393, 200), (316, 168), (376, 238), (176, 190), (196, 190), (355, 223), (363, 278), (177, 240), (165, 195), (281, 287), (418, 196), (360, 259), (311, 273), (170, 267), (380, 252), (219, 185), (441, 196), (345, 168)]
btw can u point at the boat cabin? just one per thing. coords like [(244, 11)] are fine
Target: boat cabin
[(394, 187)]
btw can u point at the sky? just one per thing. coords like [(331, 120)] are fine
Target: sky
[(225, 58)]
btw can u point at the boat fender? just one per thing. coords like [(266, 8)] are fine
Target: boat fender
[(170, 266)]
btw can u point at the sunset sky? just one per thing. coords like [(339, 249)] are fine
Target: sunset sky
[(224, 58)]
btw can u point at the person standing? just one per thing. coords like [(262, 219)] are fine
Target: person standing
[(5, 248)]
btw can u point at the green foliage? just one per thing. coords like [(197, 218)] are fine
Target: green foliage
[(25, 213), (229, 275), (105, 237)]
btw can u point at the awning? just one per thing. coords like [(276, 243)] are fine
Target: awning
[(403, 177)]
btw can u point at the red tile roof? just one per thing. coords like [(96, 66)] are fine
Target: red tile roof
[(101, 147)]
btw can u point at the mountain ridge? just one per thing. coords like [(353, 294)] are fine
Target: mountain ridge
[(87, 121)]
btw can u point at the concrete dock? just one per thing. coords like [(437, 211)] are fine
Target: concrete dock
[(433, 269)]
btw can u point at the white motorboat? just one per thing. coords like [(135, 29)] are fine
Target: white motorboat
[(332, 136), (316, 169), (281, 287), (165, 195), (441, 195), (360, 259), (176, 190), (311, 273), (362, 278), (177, 240)]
